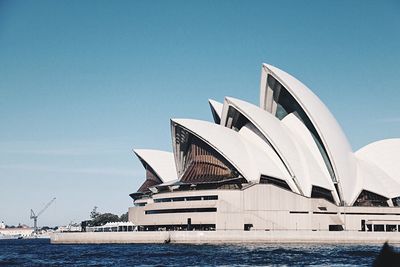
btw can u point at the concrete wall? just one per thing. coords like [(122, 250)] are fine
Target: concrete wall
[(266, 207), (349, 237), (110, 237)]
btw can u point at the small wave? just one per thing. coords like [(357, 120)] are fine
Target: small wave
[(9, 262)]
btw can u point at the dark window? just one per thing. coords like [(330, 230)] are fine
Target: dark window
[(210, 197), (298, 212), (369, 199), (319, 192), (194, 198), (396, 201), (162, 200), (140, 204), (248, 226), (363, 225), (175, 199), (336, 227), (379, 228), (275, 181), (229, 184), (369, 213), (391, 228), (177, 227), (235, 120), (188, 210), (189, 198)]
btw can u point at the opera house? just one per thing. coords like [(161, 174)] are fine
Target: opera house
[(283, 165)]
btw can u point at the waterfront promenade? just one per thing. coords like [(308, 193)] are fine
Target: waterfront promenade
[(201, 237)]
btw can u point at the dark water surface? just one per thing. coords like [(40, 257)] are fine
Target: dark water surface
[(41, 253)]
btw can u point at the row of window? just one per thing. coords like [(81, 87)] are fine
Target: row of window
[(368, 227), (177, 227), (188, 198), (366, 198), (177, 199), (112, 229), (188, 210)]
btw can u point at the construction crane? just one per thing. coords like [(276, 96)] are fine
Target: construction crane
[(35, 216)]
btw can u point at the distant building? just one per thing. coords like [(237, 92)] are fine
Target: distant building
[(283, 165), (23, 232), (70, 228)]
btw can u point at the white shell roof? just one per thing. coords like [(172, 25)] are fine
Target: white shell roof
[(270, 126), (273, 159), (245, 156), (295, 148), (379, 168), (329, 130), (162, 162), (310, 159), (374, 179), (216, 107), (385, 154), (293, 155)]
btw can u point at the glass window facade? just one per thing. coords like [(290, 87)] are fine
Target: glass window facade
[(199, 162), (275, 181), (320, 192), (188, 198), (396, 201), (369, 199), (187, 210)]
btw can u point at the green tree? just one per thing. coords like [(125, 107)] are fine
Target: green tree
[(94, 213), (104, 218), (124, 217)]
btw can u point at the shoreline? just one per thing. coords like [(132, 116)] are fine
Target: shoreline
[(220, 237)]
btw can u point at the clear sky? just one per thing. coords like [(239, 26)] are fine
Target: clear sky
[(84, 82)]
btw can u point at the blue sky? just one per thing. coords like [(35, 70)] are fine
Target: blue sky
[(84, 82)]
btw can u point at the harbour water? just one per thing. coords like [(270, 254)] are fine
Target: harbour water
[(39, 252)]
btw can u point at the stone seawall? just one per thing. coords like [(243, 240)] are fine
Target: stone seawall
[(109, 237), (343, 237)]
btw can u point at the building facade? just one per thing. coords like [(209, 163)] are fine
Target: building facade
[(283, 165)]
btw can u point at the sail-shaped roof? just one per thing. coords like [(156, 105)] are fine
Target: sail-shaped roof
[(216, 110), (328, 134), (246, 157), (293, 145)]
